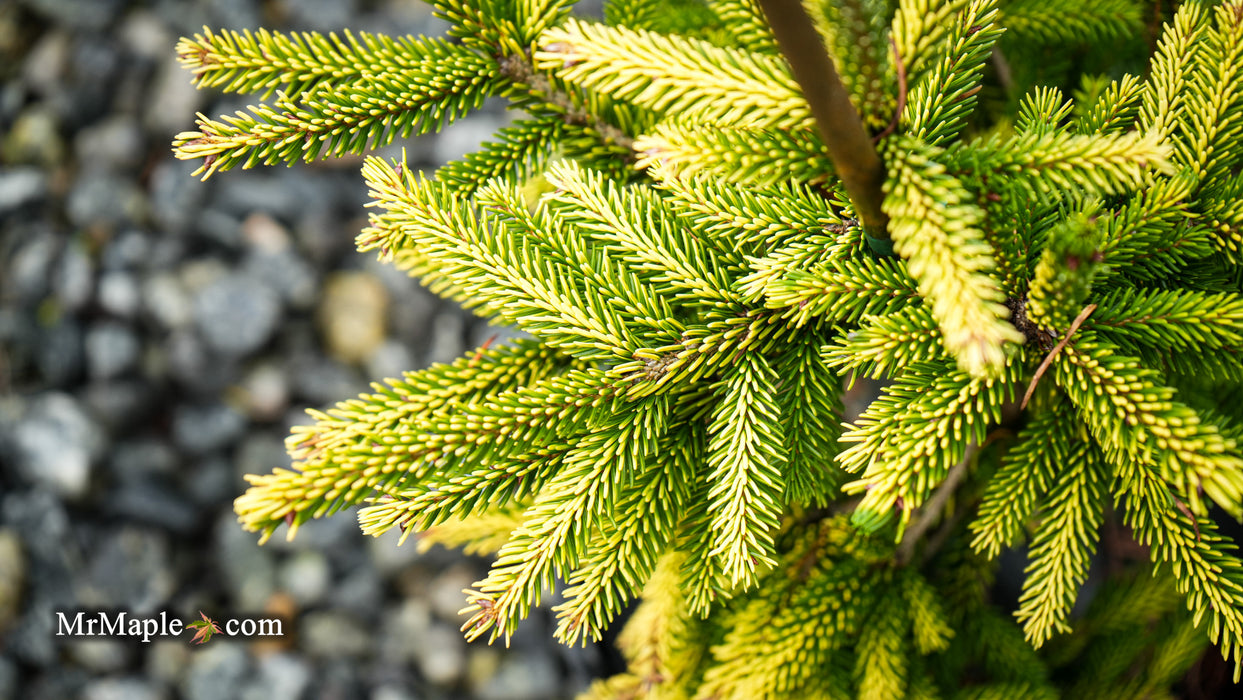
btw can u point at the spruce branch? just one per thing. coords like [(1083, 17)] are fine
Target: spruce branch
[(1063, 546), (746, 20), (520, 70), (945, 95), (1025, 474), (1070, 21), (810, 398), (746, 219), (674, 76), (1116, 107), (441, 84), (669, 429), (742, 154), (264, 62), (937, 229), (855, 158), (919, 27)]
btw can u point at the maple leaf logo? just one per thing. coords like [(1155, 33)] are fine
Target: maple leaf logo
[(205, 628)]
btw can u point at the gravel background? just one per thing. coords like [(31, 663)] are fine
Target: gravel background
[(159, 336)]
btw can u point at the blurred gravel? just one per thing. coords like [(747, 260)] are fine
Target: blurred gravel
[(158, 338)]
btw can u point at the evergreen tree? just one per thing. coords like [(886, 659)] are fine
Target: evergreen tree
[(713, 214)]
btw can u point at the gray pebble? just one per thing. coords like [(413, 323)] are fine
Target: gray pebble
[(260, 452), (95, 63), (211, 483), (128, 250), (190, 364), (216, 671), (172, 101), (131, 570), (145, 36), (99, 655), (176, 197), (324, 239), (283, 193), (223, 229), (74, 278), (332, 634), (466, 136), (119, 294), (116, 144), (337, 536), (340, 678), (389, 558), (442, 658), (152, 503), (166, 300), (403, 630), (123, 689), (265, 389), (54, 444), (522, 677), (448, 337), (92, 15), (285, 273), (390, 360), (112, 349), (306, 576), (323, 15), (66, 682), (45, 66), (182, 18), (446, 594), (20, 187), (30, 268), (34, 139), (167, 660), (320, 380), (202, 428), (360, 587), (391, 692), (40, 521), (61, 354), (12, 577), (248, 568), (8, 678), (237, 314), (234, 14), (121, 404), (280, 677), (142, 458), (28, 640), (100, 198)]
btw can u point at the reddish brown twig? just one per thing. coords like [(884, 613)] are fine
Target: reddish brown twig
[(897, 112), (1190, 516), (1048, 360)]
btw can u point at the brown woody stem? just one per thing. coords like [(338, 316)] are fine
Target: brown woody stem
[(932, 510), (850, 148)]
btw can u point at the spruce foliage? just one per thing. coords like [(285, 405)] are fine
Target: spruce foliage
[(1049, 286)]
